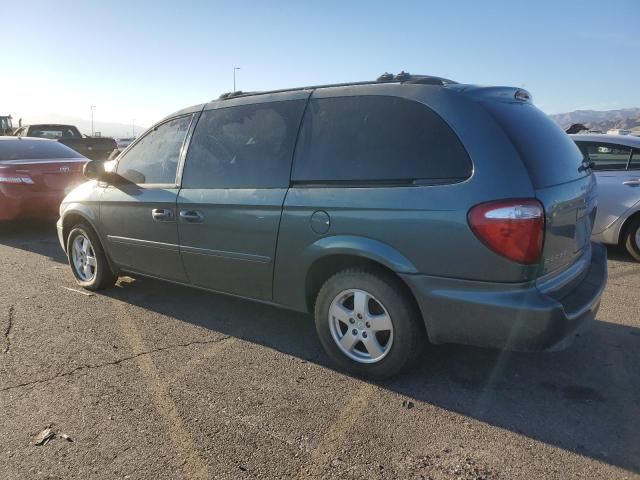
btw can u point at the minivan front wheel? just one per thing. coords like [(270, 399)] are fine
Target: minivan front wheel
[(87, 259), (367, 324)]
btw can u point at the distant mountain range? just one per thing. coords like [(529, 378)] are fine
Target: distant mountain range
[(627, 118)]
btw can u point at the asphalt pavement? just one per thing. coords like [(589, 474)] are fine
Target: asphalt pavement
[(150, 380)]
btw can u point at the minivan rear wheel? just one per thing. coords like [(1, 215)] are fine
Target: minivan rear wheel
[(87, 259), (367, 323), (632, 239)]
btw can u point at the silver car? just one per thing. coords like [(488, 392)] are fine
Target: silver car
[(616, 162)]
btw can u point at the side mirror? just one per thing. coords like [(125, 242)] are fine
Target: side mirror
[(94, 170)]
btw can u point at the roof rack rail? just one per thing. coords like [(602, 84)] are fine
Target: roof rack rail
[(237, 93), (402, 77), (385, 77)]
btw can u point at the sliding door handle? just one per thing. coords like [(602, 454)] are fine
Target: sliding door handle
[(191, 216), (162, 214)]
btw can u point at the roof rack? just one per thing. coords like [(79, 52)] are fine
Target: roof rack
[(402, 77)]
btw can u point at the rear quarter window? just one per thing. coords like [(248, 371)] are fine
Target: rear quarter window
[(364, 139), (549, 154)]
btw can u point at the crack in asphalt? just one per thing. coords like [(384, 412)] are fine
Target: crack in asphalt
[(114, 362), (7, 332)]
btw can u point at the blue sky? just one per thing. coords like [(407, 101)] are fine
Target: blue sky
[(144, 59)]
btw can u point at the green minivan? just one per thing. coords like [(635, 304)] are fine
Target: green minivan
[(402, 211)]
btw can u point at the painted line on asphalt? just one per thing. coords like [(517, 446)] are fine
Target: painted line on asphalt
[(337, 433), (212, 351), (194, 466), (87, 294)]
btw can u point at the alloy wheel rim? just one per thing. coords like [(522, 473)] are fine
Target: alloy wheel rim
[(637, 237), (84, 258), (360, 326)]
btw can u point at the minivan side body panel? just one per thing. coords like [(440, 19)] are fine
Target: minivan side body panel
[(231, 249), (421, 223), (135, 241)]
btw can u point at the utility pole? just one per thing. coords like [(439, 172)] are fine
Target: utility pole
[(92, 107), (234, 77)]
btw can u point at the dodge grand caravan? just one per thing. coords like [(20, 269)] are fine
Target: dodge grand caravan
[(399, 210)]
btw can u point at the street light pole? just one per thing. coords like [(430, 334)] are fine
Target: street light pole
[(234, 77), (92, 107)]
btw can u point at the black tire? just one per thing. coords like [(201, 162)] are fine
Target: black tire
[(408, 338), (103, 276), (631, 239)]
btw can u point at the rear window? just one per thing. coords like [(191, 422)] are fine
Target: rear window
[(51, 131), (377, 138), (23, 149), (547, 151)]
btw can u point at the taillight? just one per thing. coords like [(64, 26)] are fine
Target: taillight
[(511, 228), (16, 179)]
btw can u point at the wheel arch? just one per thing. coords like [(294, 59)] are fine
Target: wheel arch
[(626, 225), (82, 214), (334, 254), (77, 214)]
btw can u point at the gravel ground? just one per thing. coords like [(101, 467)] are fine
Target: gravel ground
[(151, 380)]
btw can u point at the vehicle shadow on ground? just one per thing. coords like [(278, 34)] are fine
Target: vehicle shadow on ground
[(584, 399), (619, 254), (37, 236)]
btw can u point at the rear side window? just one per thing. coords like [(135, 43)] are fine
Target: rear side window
[(606, 156), (248, 146), (377, 138), (25, 149), (549, 154)]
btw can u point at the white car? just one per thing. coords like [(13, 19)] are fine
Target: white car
[(616, 163)]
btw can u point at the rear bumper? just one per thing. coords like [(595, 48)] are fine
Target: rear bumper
[(513, 317), (28, 204)]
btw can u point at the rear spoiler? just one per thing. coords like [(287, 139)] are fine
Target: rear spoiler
[(499, 94)]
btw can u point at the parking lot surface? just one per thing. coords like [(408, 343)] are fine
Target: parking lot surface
[(151, 380)]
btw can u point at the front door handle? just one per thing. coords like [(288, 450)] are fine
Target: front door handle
[(632, 183), (191, 216), (162, 214)]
